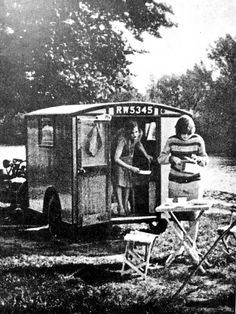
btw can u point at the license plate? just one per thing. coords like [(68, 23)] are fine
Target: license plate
[(134, 110)]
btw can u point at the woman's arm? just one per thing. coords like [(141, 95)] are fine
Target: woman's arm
[(165, 157), (143, 151), (201, 158)]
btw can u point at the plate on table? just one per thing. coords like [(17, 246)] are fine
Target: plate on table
[(145, 172)]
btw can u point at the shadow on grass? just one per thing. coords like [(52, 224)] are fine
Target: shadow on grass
[(227, 299), (90, 274), (11, 216)]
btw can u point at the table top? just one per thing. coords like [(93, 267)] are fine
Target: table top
[(139, 236), (186, 206)]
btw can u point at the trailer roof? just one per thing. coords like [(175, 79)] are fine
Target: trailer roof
[(86, 108)]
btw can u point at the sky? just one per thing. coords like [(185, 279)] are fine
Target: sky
[(200, 24)]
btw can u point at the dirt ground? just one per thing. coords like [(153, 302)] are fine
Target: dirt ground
[(45, 274)]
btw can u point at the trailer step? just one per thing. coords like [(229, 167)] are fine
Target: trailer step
[(132, 219)]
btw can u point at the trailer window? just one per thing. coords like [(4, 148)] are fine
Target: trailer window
[(46, 132), (150, 131)]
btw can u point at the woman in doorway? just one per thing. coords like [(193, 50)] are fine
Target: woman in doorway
[(127, 140)]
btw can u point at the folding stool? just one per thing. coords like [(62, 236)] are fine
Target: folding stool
[(135, 259)]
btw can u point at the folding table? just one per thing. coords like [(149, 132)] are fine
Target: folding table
[(225, 234), (186, 241)]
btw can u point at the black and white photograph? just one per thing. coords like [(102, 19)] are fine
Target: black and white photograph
[(117, 156)]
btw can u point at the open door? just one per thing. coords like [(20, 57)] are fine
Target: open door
[(93, 170), (167, 129), (146, 188), (144, 195)]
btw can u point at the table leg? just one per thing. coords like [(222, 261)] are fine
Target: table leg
[(190, 247)]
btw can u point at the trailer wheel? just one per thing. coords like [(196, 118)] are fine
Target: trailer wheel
[(54, 215)]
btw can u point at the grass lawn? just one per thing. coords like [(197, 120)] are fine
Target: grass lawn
[(41, 274)]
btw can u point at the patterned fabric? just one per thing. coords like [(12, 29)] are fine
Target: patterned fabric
[(177, 147), (122, 176)]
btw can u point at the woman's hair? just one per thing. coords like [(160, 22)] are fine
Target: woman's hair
[(130, 125), (185, 125)]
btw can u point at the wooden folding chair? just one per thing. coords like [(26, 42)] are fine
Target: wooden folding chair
[(138, 252)]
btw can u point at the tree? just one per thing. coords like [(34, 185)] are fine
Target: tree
[(195, 87), (56, 52), (187, 91), (167, 90), (211, 101), (224, 56), (68, 51), (223, 98)]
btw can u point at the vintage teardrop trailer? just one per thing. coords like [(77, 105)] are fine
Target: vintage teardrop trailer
[(68, 155)]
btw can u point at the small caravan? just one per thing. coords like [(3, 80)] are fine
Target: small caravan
[(68, 154)]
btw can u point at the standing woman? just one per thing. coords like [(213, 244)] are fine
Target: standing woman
[(185, 146), (127, 140)]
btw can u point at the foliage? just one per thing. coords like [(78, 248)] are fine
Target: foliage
[(224, 55), (167, 90), (12, 129), (68, 51), (223, 97), (212, 101), (61, 47), (187, 91)]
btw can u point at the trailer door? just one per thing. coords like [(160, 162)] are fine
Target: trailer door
[(167, 129), (93, 190)]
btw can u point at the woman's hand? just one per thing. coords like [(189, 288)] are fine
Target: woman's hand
[(175, 160), (134, 169), (200, 161), (149, 158), (191, 160)]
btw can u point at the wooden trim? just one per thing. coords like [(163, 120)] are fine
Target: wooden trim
[(133, 103), (74, 171), (87, 108), (108, 174), (158, 137)]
